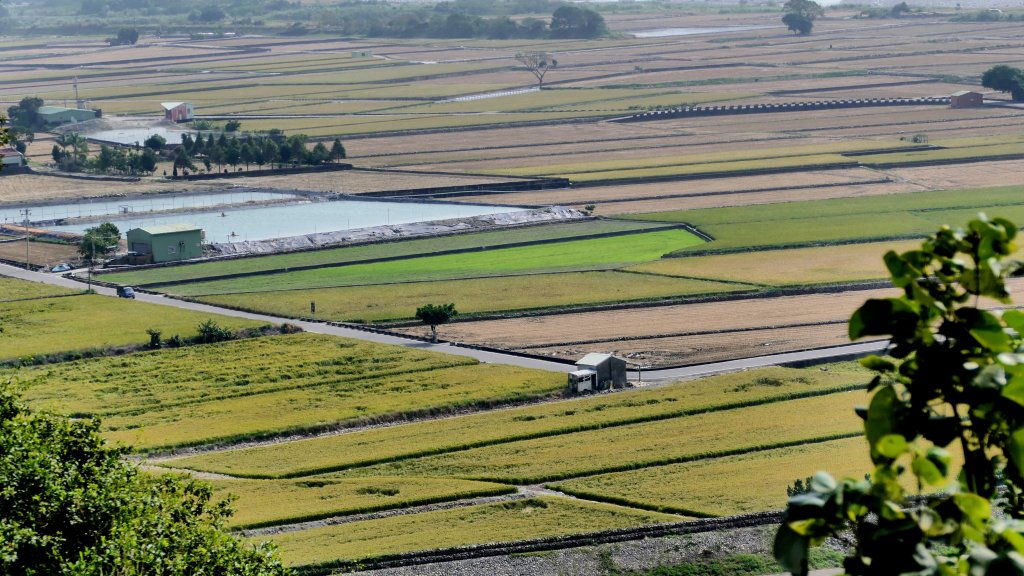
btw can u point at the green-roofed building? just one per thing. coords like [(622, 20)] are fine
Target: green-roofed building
[(61, 115), (166, 243)]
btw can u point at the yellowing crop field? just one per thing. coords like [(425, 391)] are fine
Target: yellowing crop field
[(15, 289), (641, 445), (271, 385), (558, 419), (731, 485), (83, 322), (271, 502), (503, 522)]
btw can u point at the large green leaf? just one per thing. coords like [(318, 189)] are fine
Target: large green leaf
[(790, 549)]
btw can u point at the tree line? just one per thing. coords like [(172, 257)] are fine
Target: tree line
[(273, 150), (441, 21)]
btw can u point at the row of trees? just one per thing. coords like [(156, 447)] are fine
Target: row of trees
[(259, 150), (70, 153), (446, 21)]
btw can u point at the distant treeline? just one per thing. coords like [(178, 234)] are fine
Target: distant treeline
[(369, 18), (450, 20)]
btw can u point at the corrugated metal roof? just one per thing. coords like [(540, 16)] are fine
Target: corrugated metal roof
[(965, 92), (169, 229), (171, 105), (593, 359), (58, 109)]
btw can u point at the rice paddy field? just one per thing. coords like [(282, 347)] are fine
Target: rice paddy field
[(15, 289), (87, 322), (790, 214), (271, 386)]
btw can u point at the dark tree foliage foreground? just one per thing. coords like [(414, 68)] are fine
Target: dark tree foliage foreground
[(953, 383), (70, 506), (1005, 79)]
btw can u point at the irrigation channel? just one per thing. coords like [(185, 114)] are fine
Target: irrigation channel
[(246, 215)]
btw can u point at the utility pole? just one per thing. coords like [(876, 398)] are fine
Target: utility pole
[(25, 213)]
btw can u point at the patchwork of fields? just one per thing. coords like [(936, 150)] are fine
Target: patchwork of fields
[(713, 238)]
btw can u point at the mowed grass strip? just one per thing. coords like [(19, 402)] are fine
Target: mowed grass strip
[(33, 327), (478, 295), (16, 289), (272, 502), (797, 266), (753, 482), (399, 396), (332, 453), (502, 522), (161, 379), (640, 445), (371, 251), (570, 255)]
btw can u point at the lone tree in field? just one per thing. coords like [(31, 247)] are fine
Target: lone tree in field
[(72, 506), (538, 63), (1005, 79), (800, 14), (435, 314), (953, 382)]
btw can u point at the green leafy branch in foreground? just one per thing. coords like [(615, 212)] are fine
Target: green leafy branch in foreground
[(70, 506), (955, 379)]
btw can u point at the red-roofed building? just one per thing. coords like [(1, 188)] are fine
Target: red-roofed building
[(177, 111)]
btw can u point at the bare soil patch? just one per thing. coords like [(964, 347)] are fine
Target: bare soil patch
[(973, 175)]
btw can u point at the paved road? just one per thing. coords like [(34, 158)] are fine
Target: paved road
[(481, 355)]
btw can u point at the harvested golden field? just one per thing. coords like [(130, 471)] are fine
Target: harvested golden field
[(703, 348), (39, 253), (960, 175), (658, 320), (20, 188)]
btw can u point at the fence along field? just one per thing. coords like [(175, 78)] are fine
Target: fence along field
[(267, 386), (338, 452)]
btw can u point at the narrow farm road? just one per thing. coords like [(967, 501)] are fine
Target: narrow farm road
[(481, 355)]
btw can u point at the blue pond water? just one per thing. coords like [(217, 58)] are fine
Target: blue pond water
[(241, 222)]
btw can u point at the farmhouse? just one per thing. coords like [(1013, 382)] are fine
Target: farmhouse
[(178, 111), (598, 372), (10, 157), (965, 99), (61, 115), (166, 243)]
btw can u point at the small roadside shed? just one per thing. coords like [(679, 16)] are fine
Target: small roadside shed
[(178, 111), (598, 372), (966, 99), (61, 115), (166, 243)]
